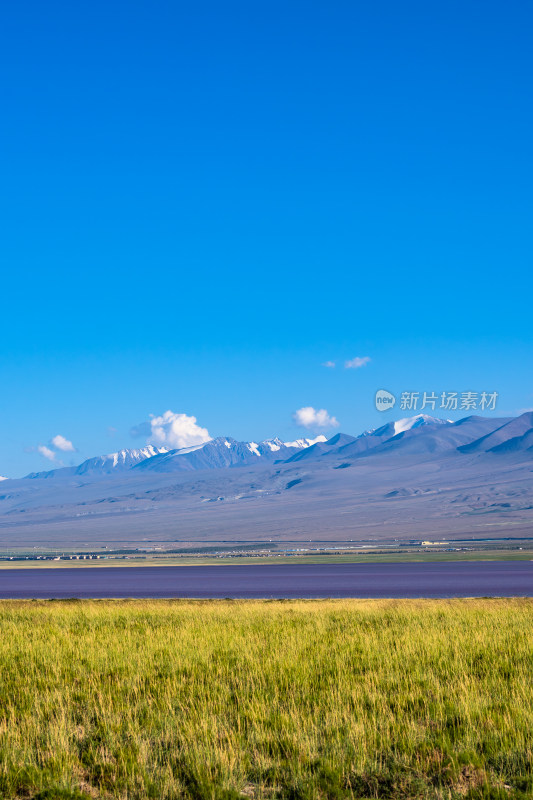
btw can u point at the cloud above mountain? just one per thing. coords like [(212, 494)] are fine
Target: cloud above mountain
[(46, 452), (60, 443), (309, 417), (172, 430), (57, 444), (357, 362)]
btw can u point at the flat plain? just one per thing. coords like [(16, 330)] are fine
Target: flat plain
[(295, 699), (424, 556)]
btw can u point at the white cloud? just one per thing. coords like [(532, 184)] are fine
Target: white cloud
[(56, 444), (176, 430), (355, 363), (330, 364), (3, 478), (309, 417), (46, 452), (60, 443)]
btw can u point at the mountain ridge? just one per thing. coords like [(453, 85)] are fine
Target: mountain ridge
[(237, 452), (412, 436)]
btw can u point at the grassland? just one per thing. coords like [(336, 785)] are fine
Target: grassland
[(298, 700)]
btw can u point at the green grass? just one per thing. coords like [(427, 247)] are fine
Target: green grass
[(294, 699)]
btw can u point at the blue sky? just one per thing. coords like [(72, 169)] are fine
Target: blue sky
[(203, 203)]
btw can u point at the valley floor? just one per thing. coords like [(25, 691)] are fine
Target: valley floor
[(298, 699), (49, 560)]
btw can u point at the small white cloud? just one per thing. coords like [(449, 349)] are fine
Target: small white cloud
[(60, 443), (309, 417), (329, 364), (174, 430), (46, 452), (358, 361), (56, 444), (3, 478)]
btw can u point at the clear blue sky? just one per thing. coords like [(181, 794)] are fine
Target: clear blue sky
[(201, 203)]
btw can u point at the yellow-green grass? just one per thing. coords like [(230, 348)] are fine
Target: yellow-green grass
[(368, 557), (295, 699)]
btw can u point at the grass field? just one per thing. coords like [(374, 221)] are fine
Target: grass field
[(299, 699)]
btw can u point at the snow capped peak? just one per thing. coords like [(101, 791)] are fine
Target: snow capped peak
[(126, 455), (122, 459), (274, 444), (107, 464), (368, 432), (406, 424), (302, 443)]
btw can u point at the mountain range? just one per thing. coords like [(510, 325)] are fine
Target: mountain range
[(415, 435), (416, 478), (215, 454)]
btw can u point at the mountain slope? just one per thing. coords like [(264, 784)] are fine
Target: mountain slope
[(508, 429), (370, 440), (436, 440), (323, 448), (516, 444), (350, 446)]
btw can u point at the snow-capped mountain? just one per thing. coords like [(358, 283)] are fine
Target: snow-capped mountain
[(407, 424), (226, 452), (349, 446), (430, 435), (214, 454), (124, 459), (412, 436), (105, 465)]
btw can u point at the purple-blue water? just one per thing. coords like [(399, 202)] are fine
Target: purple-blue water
[(446, 579)]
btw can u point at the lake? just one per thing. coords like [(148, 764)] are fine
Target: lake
[(445, 579)]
